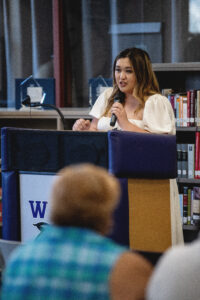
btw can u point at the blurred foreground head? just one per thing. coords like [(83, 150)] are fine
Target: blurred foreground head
[(84, 195)]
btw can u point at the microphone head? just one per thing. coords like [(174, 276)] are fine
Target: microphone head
[(119, 97), (26, 101)]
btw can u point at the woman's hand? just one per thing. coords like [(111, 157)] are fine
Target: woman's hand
[(122, 119), (81, 125)]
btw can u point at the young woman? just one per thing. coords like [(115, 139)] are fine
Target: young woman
[(144, 109)]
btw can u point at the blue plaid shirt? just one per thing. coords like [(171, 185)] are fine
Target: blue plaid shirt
[(62, 263)]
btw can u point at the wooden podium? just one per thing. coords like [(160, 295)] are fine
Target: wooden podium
[(144, 163), (148, 161)]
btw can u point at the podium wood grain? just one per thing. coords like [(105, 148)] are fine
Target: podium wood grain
[(149, 214)]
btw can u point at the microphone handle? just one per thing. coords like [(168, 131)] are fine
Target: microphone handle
[(113, 117), (113, 120)]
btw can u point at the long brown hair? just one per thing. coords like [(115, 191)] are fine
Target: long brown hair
[(147, 83)]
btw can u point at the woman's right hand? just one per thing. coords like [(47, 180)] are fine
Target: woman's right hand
[(81, 125)]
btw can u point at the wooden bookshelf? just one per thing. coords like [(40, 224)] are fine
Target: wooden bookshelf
[(179, 76), (174, 67), (182, 77)]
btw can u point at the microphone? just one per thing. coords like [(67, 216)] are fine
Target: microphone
[(27, 102), (119, 97)]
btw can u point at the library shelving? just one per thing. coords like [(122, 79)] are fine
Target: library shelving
[(186, 135), (177, 76), (181, 77)]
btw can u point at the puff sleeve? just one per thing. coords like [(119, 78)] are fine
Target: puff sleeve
[(100, 104), (158, 116)]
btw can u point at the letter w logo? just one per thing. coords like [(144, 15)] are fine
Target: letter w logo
[(38, 208)]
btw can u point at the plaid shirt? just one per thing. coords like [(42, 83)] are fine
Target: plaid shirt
[(62, 263)]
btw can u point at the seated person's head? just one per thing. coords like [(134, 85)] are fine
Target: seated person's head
[(85, 196)]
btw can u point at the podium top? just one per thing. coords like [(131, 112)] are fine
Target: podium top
[(142, 155), (37, 150), (125, 154)]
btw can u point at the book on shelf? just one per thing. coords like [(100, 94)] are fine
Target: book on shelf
[(197, 115), (185, 205), (181, 110), (192, 107), (184, 118), (186, 106), (191, 159), (0, 206), (197, 148), (179, 160), (172, 100), (190, 205), (184, 162), (178, 110), (196, 206)]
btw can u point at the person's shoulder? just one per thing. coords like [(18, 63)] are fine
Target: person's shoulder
[(107, 92), (157, 97), (104, 96), (176, 273), (158, 101), (100, 103), (129, 259), (186, 252), (129, 276)]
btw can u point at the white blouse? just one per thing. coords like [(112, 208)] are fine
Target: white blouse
[(158, 115)]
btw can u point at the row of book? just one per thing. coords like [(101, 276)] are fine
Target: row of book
[(188, 159), (190, 205), (0, 206), (186, 108)]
